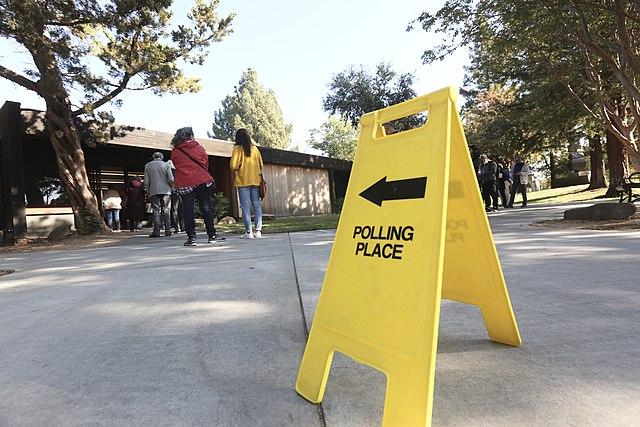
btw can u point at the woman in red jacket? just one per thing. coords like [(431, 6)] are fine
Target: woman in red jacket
[(193, 181)]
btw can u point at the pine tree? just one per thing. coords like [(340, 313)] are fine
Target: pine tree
[(254, 108)]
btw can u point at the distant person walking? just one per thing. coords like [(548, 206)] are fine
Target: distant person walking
[(158, 181), (246, 161), (487, 175), (134, 202), (177, 216), (192, 182), (112, 204), (520, 175)]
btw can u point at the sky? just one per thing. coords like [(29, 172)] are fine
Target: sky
[(296, 46)]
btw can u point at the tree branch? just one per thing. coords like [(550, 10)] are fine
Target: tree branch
[(71, 23), (18, 79), (585, 37), (117, 88), (87, 108)]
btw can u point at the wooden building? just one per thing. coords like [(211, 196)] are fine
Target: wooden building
[(32, 199)]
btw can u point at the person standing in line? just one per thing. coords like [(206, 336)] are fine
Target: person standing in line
[(520, 174), (246, 162), (177, 216), (112, 205), (502, 181), (487, 175), (192, 182), (134, 201), (158, 181)]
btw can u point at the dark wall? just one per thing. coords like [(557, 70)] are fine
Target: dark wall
[(13, 213)]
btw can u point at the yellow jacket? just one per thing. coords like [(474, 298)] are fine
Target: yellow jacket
[(247, 169)]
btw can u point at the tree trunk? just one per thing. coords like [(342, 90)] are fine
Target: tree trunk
[(64, 136), (618, 163), (596, 161), (71, 167)]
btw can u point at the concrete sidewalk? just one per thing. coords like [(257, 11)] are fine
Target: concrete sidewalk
[(149, 332)]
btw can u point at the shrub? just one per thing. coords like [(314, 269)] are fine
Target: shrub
[(219, 205)]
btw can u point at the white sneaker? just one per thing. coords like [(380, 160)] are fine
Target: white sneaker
[(258, 234), (247, 236)]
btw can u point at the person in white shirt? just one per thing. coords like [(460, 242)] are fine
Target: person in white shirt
[(112, 204)]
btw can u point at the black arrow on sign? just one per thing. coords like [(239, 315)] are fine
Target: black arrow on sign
[(413, 188)]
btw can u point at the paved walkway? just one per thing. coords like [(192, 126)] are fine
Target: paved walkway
[(149, 332)]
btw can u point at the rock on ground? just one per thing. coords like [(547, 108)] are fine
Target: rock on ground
[(601, 212)]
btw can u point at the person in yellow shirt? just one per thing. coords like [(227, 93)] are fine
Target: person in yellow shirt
[(246, 162)]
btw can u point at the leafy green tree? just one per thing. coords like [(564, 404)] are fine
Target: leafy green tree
[(562, 56), (101, 49), (356, 91), (336, 138), (255, 108)]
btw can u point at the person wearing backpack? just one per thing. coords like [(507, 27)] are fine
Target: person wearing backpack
[(193, 182), (246, 162), (520, 174)]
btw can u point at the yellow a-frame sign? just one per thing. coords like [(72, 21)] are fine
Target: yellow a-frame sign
[(412, 230)]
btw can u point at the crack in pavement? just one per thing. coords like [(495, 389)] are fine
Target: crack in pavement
[(323, 421)]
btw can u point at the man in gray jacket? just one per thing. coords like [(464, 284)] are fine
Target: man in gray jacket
[(158, 181)]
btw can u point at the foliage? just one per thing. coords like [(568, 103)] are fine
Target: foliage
[(335, 138), (132, 40), (356, 91), (49, 188), (562, 55), (255, 108), (219, 205)]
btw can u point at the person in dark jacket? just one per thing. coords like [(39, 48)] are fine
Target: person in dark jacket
[(135, 204), (503, 179), (193, 181), (487, 175)]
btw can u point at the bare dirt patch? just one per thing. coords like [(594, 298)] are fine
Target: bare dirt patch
[(632, 223), (71, 242)]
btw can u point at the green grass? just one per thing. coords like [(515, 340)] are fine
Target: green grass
[(288, 224), (576, 193)]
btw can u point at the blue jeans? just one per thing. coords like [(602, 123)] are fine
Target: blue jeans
[(250, 196), (203, 194), (113, 215)]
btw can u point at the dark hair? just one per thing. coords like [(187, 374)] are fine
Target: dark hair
[(243, 138), (182, 134)]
